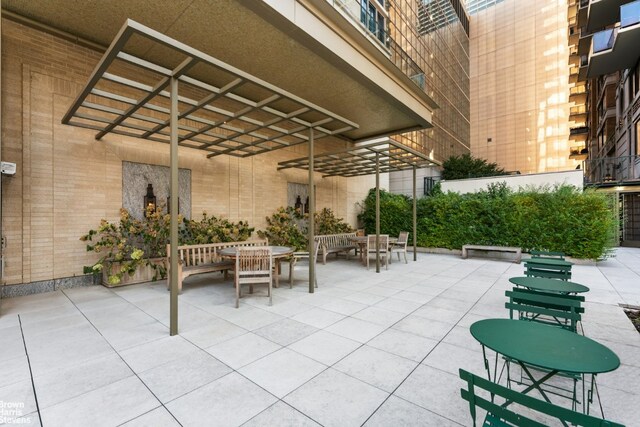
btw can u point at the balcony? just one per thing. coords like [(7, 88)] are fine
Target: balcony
[(578, 113), (584, 42), (578, 94), (617, 48), (579, 152), (605, 171), (602, 13), (579, 134)]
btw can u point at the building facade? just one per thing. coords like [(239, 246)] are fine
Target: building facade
[(66, 181), (519, 91), (605, 94), (435, 54)]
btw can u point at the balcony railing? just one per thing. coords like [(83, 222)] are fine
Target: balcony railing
[(578, 90), (630, 14), (603, 40), (579, 130), (579, 109), (612, 170)]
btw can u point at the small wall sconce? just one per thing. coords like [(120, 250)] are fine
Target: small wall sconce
[(298, 205), (149, 201), (306, 205)]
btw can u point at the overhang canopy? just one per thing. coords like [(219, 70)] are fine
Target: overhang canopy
[(362, 159), (296, 45), (223, 110)]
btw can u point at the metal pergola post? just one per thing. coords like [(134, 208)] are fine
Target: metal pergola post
[(378, 213), (312, 210), (173, 209), (415, 218)]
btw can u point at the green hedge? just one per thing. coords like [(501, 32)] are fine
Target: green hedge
[(580, 224)]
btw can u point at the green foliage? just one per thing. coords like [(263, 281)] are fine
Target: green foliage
[(211, 229), (395, 213), (284, 229), (288, 227), (580, 224), (133, 243), (466, 166)]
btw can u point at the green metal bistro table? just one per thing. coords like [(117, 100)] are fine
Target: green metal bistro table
[(552, 349), (549, 285)]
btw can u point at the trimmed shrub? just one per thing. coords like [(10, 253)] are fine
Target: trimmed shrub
[(580, 224)]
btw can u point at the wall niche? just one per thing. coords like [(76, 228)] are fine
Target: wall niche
[(137, 176)]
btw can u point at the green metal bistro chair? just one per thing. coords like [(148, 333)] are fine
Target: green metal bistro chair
[(500, 415), (547, 254), (554, 309)]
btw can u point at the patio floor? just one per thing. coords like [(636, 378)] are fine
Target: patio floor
[(374, 349)]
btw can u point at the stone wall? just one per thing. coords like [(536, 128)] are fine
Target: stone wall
[(66, 181)]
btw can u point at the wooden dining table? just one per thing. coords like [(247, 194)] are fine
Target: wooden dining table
[(361, 241)]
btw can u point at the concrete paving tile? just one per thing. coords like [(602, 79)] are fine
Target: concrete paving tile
[(229, 401), (404, 344), (344, 306), (450, 358), (155, 353), (62, 384), (110, 405), (379, 316), (282, 371), (325, 347), (401, 306), (399, 412), (436, 391), (319, 317), (20, 396), (355, 329), (286, 331), (240, 351), (213, 333), (158, 417), (427, 328), (335, 399), (376, 367), (282, 415), (180, 376)]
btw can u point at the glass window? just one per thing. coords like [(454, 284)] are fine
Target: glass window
[(638, 138)]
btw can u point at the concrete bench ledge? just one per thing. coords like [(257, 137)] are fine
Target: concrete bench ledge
[(516, 250)]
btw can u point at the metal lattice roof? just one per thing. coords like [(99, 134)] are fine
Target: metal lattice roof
[(361, 160), (222, 110)]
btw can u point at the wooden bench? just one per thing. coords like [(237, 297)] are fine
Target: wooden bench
[(197, 259), (336, 244), (517, 251)]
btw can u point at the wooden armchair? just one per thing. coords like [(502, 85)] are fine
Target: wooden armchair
[(400, 247), (383, 247), (303, 255), (254, 265)]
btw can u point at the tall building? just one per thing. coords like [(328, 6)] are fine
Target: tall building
[(519, 91), (605, 115), (429, 41)]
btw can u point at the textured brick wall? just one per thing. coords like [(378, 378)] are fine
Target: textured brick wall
[(67, 181)]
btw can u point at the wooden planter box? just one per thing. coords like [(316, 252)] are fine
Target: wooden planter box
[(142, 274)]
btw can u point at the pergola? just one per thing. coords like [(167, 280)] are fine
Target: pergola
[(382, 156), (185, 97), (220, 109)]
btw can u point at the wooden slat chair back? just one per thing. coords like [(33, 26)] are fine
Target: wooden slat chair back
[(400, 247), (205, 258), (383, 245), (564, 311), (254, 266), (501, 415)]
